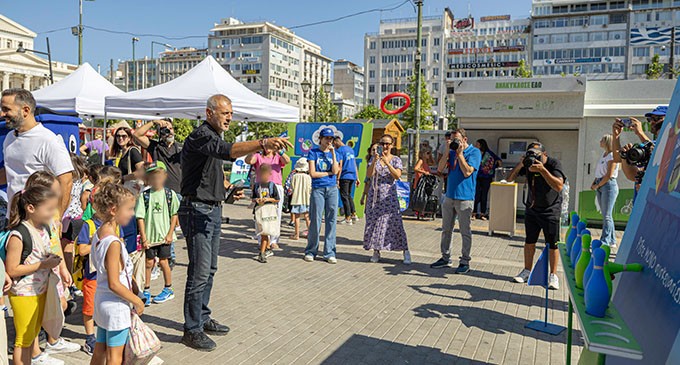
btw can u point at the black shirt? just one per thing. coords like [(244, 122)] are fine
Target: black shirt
[(134, 155), (202, 156), (172, 158), (542, 198)]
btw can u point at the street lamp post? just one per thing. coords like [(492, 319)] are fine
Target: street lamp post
[(134, 63), (307, 86), (79, 31), (48, 54), (419, 34), (156, 64)]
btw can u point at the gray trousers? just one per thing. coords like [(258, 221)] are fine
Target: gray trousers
[(463, 210)]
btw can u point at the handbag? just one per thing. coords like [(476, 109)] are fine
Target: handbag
[(267, 220), (143, 344), (53, 315)]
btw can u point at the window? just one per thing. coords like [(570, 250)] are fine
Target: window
[(435, 71), (642, 17), (558, 38), (435, 86), (664, 15), (655, 4), (435, 57), (542, 24), (615, 67), (542, 39), (371, 88), (371, 60), (639, 69), (560, 9), (560, 22), (372, 45), (662, 50), (640, 4), (436, 41), (598, 6), (578, 37), (598, 36), (618, 18), (617, 36), (617, 5), (579, 7), (578, 21), (371, 74), (598, 19), (435, 101)]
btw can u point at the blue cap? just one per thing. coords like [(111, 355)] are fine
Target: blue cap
[(659, 110), (327, 132)]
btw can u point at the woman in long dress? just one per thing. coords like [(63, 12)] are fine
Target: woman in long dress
[(384, 229)]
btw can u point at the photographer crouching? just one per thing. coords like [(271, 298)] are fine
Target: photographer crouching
[(543, 206)]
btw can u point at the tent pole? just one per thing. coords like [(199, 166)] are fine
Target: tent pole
[(104, 138)]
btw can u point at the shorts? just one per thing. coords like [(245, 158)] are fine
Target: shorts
[(89, 289), (73, 229), (160, 251), (28, 316), (299, 209), (549, 223), (113, 338)]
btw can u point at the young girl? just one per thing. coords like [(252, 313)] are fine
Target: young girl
[(301, 186), (72, 221), (115, 207), (265, 192), (32, 211)]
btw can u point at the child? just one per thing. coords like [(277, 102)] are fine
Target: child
[(29, 262), (157, 218), (72, 221), (302, 188), (115, 206), (265, 192)]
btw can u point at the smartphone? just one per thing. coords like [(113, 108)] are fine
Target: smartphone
[(380, 150), (626, 122), (233, 189)]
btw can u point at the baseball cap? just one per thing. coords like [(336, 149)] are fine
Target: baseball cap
[(448, 134), (153, 166), (536, 147), (327, 132), (659, 110)]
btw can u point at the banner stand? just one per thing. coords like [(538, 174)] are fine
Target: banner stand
[(540, 275)]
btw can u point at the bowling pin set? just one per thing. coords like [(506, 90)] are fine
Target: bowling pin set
[(592, 270)]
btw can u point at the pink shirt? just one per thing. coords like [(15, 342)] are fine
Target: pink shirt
[(277, 164)]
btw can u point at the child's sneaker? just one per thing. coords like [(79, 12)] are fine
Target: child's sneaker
[(5, 310), (90, 342), (75, 292), (147, 298), (165, 295), (155, 273), (262, 257), (61, 347), (45, 359)]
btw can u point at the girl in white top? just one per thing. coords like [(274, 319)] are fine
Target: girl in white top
[(115, 206), (606, 189)]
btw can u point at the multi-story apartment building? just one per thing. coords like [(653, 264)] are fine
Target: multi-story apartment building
[(174, 63), (389, 57), (490, 47), (651, 28), (583, 37), (348, 87), (270, 60)]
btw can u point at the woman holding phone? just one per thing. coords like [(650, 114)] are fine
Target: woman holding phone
[(606, 189)]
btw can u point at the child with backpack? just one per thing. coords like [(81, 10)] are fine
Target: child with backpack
[(115, 207), (29, 263), (265, 193), (156, 213), (72, 221)]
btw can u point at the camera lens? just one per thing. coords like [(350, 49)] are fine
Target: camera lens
[(455, 144)]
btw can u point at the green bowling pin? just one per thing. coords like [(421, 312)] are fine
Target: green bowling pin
[(607, 275), (583, 260)]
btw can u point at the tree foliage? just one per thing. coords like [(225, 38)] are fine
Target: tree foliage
[(523, 70), (256, 130), (371, 112), (409, 115), (326, 111), (183, 127), (655, 68)]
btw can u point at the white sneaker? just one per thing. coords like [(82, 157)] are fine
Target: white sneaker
[(553, 282), (45, 359), (155, 273), (309, 258), (346, 222), (61, 347), (407, 257), (355, 218), (522, 277), (376, 256), (332, 260)]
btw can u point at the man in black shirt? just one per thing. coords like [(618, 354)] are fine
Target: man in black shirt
[(165, 149), (543, 207), (200, 213)]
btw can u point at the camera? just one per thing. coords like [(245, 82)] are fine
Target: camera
[(455, 144), (639, 154), (163, 132), (530, 158)]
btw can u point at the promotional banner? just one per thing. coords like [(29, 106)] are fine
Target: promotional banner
[(239, 171), (650, 301)]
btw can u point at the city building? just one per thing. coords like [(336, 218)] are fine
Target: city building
[(147, 72), (389, 57), (348, 88), (272, 61), (651, 28), (581, 37), (25, 69), (173, 63)]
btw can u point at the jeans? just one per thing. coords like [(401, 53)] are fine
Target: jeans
[(201, 224), (606, 197), (482, 195), (324, 201), (346, 196), (172, 246), (450, 209)]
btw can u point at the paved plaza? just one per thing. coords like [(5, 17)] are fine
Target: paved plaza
[(292, 312)]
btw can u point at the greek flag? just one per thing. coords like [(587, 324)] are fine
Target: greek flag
[(652, 35)]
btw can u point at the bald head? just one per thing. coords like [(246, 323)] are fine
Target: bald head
[(219, 112)]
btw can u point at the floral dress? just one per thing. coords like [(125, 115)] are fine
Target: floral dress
[(384, 228)]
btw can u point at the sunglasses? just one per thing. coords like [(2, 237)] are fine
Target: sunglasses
[(385, 143), (121, 136), (654, 118)]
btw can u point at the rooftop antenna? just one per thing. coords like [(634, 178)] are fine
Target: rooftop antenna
[(469, 10)]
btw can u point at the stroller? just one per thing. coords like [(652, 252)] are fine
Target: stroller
[(424, 201)]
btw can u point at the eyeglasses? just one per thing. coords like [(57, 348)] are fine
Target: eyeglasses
[(385, 143), (121, 136)]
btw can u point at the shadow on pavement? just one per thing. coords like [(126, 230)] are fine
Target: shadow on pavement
[(360, 349), (480, 294)]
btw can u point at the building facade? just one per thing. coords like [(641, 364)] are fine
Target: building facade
[(651, 28), (173, 63), (389, 57), (270, 60), (149, 72), (25, 70), (348, 87)]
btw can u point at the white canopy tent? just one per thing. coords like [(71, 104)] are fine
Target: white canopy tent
[(186, 96)]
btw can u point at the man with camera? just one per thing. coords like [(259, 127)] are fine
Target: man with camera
[(165, 149), (462, 163), (634, 157), (543, 207)]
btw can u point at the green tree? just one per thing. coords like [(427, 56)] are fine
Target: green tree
[(326, 111), (371, 112), (409, 115), (256, 130), (183, 127), (655, 68), (523, 70), (451, 115)]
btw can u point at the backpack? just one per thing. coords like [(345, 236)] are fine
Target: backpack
[(25, 240), (146, 194), (78, 272)]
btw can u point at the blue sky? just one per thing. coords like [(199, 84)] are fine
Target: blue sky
[(175, 18)]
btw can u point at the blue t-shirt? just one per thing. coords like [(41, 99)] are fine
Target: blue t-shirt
[(349, 167), (323, 162), (458, 186), (84, 239)]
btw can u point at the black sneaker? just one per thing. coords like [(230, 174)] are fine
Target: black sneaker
[(172, 263), (215, 328), (262, 257), (199, 341), (441, 263), (269, 253), (71, 307), (462, 269)]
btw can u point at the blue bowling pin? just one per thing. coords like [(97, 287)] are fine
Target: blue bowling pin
[(572, 232), (595, 244), (597, 292), (580, 226), (576, 247), (580, 248)]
